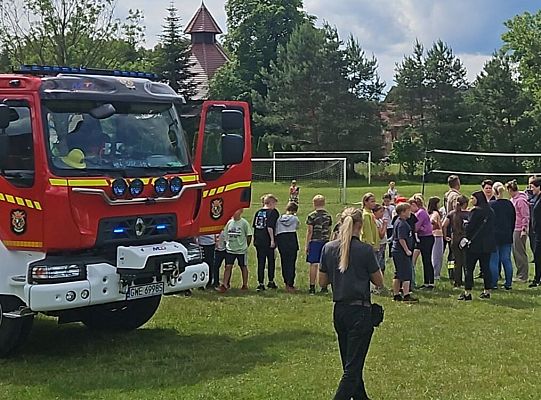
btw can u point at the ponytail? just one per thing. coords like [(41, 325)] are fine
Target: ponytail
[(350, 216)]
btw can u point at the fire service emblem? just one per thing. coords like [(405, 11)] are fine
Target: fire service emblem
[(18, 221), (217, 209)]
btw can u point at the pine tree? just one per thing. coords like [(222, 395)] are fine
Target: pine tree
[(173, 60)]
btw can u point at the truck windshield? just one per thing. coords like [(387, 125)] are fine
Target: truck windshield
[(138, 136)]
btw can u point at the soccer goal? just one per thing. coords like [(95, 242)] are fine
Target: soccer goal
[(320, 174), (352, 157)]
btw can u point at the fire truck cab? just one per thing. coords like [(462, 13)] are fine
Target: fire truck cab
[(101, 199)]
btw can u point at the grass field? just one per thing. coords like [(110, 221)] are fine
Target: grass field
[(280, 346)]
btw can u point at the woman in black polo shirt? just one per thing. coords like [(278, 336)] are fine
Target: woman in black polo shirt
[(349, 265)]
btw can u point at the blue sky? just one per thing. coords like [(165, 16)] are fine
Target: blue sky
[(386, 28)]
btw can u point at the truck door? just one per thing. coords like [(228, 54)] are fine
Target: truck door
[(223, 158)]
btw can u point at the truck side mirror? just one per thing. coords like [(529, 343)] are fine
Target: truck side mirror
[(232, 120), (232, 149), (7, 115)]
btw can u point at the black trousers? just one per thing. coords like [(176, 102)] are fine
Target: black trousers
[(537, 258), (484, 262), (390, 237), (354, 329), (288, 257), (264, 255), (208, 257), (219, 258), (425, 245)]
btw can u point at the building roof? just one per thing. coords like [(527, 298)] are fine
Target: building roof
[(206, 59), (203, 22)]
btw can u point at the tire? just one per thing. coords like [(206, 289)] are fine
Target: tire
[(13, 331), (122, 316)]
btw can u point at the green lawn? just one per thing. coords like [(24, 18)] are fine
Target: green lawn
[(280, 346)]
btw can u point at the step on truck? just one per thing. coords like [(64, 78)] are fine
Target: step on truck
[(101, 197)]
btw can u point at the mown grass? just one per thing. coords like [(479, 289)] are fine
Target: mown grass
[(280, 346)]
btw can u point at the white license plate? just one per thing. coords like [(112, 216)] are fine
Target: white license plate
[(142, 291)]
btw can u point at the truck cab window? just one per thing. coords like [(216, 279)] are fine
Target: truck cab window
[(18, 164)]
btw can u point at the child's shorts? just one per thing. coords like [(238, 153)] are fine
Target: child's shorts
[(231, 258), (403, 267), (314, 251)]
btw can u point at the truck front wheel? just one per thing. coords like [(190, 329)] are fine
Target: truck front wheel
[(13, 331), (122, 316)]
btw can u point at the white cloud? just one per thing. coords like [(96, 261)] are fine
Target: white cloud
[(386, 28)]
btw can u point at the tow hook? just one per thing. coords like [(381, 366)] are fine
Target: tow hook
[(20, 313)]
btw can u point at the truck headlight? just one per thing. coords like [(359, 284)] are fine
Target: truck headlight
[(57, 273)]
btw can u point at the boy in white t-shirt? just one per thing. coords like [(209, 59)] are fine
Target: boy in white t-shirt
[(238, 236)]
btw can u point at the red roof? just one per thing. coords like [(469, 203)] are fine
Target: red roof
[(206, 59), (203, 22)]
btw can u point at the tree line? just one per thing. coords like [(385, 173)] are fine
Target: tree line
[(309, 88)]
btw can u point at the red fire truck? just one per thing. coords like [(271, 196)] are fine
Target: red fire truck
[(100, 198)]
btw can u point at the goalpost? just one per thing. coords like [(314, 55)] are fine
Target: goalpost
[(323, 154), (315, 172), (477, 154)]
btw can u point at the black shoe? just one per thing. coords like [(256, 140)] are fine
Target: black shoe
[(260, 288), (324, 290), (312, 290), (485, 295), (272, 285), (533, 284), (410, 299), (508, 288), (397, 297), (465, 297), (187, 293)]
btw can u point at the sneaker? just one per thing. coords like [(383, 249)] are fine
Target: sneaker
[(397, 297), (508, 288), (187, 293), (272, 285), (260, 288), (410, 299), (221, 289), (291, 289), (518, 280), (244, 288), (324, 290), (533, 284), (465, 297), (312, 291), (485, 295)]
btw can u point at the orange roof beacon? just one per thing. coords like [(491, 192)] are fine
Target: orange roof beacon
[(100, 197)]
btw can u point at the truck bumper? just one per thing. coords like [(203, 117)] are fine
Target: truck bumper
[(102, 286)]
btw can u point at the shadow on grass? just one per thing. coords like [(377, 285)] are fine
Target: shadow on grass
[(69, 361), (517, 303)]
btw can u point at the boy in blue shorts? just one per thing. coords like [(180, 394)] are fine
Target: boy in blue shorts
[(319, 224), (402, 252)]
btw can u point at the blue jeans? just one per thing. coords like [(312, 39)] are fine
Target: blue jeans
[(501, 255)]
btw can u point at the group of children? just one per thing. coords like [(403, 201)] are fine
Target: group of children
[(269, 232)]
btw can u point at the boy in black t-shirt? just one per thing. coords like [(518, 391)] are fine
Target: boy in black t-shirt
[(264, 241), (402, 252)]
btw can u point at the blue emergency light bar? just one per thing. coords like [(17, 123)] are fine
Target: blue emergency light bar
[(54, 70)]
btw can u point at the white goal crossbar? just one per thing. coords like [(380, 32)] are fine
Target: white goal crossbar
[(274, 160), (277, 154)]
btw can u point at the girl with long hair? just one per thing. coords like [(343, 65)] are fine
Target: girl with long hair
[(350, 265), (457, 220), (423, 228), (437, 231), (479, 242)]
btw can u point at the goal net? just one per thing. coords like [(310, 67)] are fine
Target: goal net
[(324, 176), (357, 162)]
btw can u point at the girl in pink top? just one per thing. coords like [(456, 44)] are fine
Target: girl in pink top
[(522, 225), (425, 240)]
